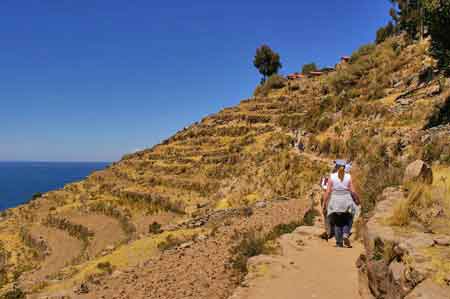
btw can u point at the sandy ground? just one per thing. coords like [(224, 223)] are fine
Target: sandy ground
[(107, 231), (64, 249)]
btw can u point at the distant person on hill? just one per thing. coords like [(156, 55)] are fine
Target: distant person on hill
[(340, 202)]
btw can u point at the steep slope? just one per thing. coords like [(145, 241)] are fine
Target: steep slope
[(183, 202)]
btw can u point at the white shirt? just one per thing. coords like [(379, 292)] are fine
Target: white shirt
[(339, 185)]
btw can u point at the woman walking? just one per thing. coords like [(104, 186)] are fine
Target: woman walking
[(339, 203)]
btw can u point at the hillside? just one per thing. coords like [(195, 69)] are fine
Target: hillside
[(162, 223)]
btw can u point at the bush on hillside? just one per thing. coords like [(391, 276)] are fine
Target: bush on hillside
[(36, 195), (440, 115), (325, 146), (286, 228), (274, 82), (251, 243), (374, 176), (254, 242), (309, 67), (170, 242), (364, 50), (324, 123), (106, 267), (437, 149), (376, 90), (384, 32), (423, 204), (343, 79), (16, 293), (154, 228)]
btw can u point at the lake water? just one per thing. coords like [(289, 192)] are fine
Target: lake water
[(20, 180)]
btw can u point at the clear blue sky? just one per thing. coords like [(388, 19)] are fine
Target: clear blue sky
[(90, 80)]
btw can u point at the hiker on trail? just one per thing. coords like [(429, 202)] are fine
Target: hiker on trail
[(340, 202), (329, 232)]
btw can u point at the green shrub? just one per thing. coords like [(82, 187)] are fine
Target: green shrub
[(274, 82), (291, 121), (251, 244), (294, 86), (154, 228), (309, 218), (309, 67), (36, 195), (287, 228), (169, 243), (325, 146), (436, 149), (16, 293), (376, 90), (362, 51), (440, 115), (105, 267), (324, 123), (375, 175), (384, 32), (255, 242)]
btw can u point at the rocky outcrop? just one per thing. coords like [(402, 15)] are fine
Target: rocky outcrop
[(418, 171), (429, 290), (395, 264)]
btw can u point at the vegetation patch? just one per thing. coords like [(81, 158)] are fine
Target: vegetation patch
[(16, 293), (255, 242), (274, 82), (75, 230), (39, 247)]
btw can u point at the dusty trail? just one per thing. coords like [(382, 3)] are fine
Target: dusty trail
[(308, 268)]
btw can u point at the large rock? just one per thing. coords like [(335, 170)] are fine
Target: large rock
[(384, 272), (418, 171), (429, 290)]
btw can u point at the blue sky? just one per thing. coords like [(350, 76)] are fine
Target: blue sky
[(91, 80)]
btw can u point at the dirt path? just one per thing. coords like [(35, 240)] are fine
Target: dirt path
[(308, 268), (313, 157)]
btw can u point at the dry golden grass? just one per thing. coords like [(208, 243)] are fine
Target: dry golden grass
[(425, 203)]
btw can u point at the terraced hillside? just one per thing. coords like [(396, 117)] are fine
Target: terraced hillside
[(160, 223)]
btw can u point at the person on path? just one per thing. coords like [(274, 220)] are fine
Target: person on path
[(329, 231), (339, 203)]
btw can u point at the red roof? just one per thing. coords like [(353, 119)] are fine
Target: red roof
[(316, 73), (295, 76)]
